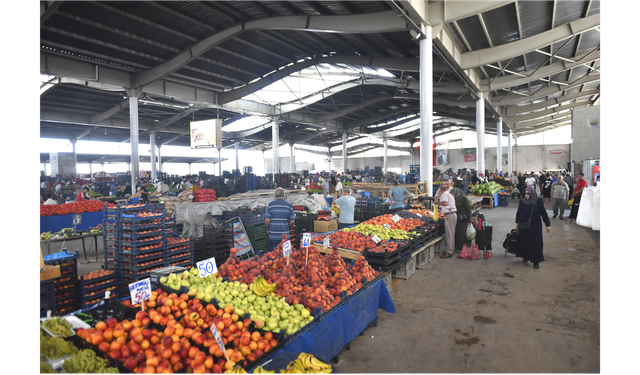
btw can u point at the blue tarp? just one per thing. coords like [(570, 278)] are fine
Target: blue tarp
[(335, 330)]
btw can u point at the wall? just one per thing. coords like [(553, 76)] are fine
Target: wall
[(585, 137), (61, 163)]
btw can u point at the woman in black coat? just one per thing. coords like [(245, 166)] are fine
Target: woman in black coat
[(531, 208)]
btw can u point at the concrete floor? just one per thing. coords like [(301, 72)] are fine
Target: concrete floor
[(497, 315)]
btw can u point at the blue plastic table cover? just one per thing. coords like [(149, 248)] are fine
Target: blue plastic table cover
[(335, 330)]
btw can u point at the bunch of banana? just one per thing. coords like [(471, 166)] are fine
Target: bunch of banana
[(261, 370), (307, 364), (261, 287), (236, 370)]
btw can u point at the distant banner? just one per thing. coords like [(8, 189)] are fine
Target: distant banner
[(469, 154), (505, 159), (556, 152)]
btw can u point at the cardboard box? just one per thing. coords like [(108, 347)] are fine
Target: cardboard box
[(48, 272), (323, 226)]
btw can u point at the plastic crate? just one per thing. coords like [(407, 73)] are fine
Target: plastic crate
[(182, 263), (136, 233), (185, 242), (503, 200), (256, 231), (405, 270), (47, 298), (61, 257)]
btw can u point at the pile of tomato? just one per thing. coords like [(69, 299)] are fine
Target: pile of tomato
[(73, 208)]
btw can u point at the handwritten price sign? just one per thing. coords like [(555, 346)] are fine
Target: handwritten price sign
[(207, 267), (375, 238), (396, 218), (386, 226), (140, 291), (286, 248), (216, 335), (306, 240), (326, 242), (419, 215)]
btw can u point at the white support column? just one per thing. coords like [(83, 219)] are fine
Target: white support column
[(292, 160), (237, 159), (133, 124), (510, 154), (480, 133), (152, 144), (275, 141), (499, 156), (344, 152), (329, 159), (426, 108), (159, 159), (189, 169), (90, 173), (75, 155), (220, 162), (384, 156)]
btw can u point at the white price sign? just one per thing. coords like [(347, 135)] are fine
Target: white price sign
[(140, 291), (286, 248), (396, 218), (418, 215), (216, 335), (207, 267), (386, 226), (306, 240), (326, 242), (375, 238)]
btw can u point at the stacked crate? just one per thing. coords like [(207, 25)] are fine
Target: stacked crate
[(283, 180), (215, 243), (258, 237), (170, 227), (305, 223), (66, 287), (92, 290), (134, 242), (179, 252)]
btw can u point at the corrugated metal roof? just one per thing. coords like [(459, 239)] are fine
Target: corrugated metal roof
[(472, 30), (502, 24), (535, 17), (569, 11)]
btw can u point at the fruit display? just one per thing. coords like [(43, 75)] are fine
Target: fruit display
[(56, 347), (314, 188), (305, 364), (261, 287), (86, 361), (73, 208), (383, 233), (489, 188), (58, 326), (387, 247), (425, 212), (348, 239), (175, 336)]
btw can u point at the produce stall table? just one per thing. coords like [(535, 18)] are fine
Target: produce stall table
[(474, 201), (94, 235), (488, 201), (56, 223), (336, 330)]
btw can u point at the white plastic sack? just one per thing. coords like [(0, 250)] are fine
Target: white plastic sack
[(586, 207), (595, 211), (471, 232)]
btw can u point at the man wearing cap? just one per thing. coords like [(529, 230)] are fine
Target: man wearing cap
[(447, 204), (338, 187)]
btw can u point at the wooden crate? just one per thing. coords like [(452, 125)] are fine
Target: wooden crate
[(487, 200), (344, 253)]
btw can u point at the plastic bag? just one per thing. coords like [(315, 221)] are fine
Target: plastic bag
[(474, 253), (464, 254), (435, 213), (471, 232)]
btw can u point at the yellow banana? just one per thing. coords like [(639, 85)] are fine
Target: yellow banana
[(318, 365), (261, 370)]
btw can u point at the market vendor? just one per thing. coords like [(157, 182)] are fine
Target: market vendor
[(127, 189), (347, 205), (338, 187), (398, 196), (113, 192), (279, 218), (61, 197), (83, 195), (50, 200), (325, 186), (144, 193)]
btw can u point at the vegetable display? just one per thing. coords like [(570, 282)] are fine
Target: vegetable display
[(73, 208), (489, 188)]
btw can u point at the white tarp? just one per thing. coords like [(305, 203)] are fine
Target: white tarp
[(195, 215)]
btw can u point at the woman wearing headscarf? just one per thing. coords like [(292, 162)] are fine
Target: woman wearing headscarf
[(332, 185), (531, 210), (464, 216)]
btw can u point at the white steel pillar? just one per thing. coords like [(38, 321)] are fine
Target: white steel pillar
[(159, 159), (133, 124), (90, 173), (344, 152), (292, 161), (499, 156), (510, 155), (75, 156), (384, 156), (480, 133), (189, 169), (426, 108), (237, 159), (152, 143), (275, 141), (220, 161), (329, 159)]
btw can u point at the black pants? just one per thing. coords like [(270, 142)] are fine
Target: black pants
[(574, 208), (343, 225)]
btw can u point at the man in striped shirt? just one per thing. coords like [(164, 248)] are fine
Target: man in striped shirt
[(278, 217)]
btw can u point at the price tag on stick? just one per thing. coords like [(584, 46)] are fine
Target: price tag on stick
[(326, 242), (207, 267), (306, 241), (396, 218), (376, 239), (216, 335), (140, 291), (286, 250)]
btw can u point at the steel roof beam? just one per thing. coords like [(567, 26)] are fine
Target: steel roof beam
[(534, 115), (449, 11), (373, 119), (181, 15), (289, 43), (542, 121), (47, 8), (109, 112), (365, 23), (170, 140), (174, 118), (515, 99), (485, 56), (516, 110)]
